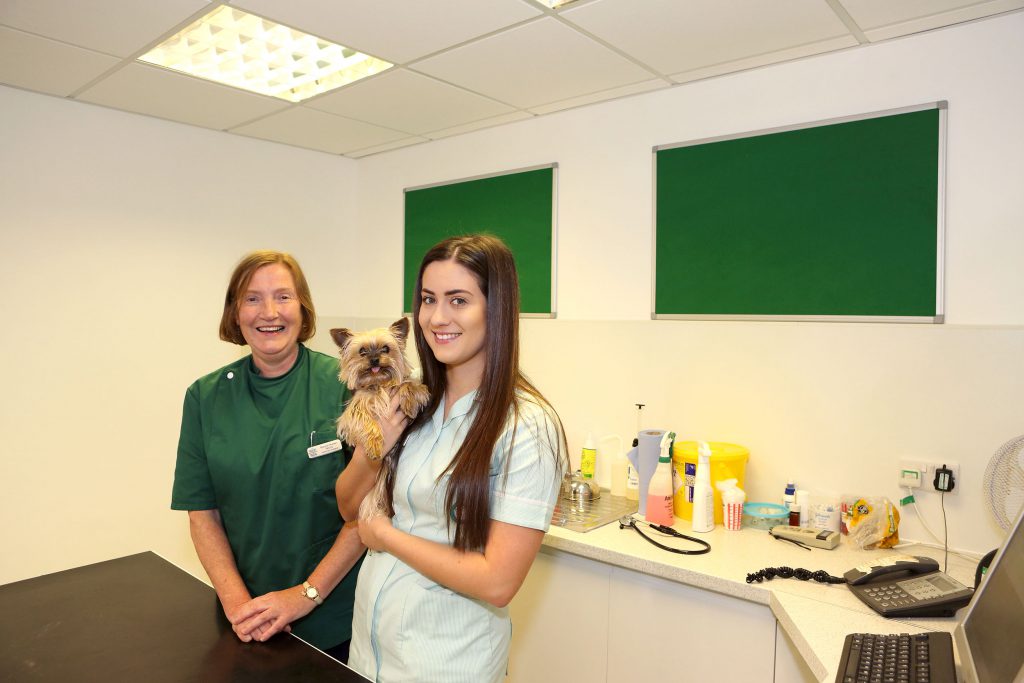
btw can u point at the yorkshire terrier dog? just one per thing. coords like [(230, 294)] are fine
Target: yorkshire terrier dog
[(373, 364)]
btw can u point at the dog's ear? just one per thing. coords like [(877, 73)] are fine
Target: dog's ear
[(341, 336), (400, 328)]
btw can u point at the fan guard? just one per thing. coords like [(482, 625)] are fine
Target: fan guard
[(1004, 482)]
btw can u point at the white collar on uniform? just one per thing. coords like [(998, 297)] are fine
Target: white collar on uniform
[(461, 407)]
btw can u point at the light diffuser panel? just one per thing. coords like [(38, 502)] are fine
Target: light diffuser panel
[(246, 51)]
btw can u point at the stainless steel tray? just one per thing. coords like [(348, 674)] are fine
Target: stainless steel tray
[(586, 515)]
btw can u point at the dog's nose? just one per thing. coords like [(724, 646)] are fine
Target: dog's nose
[(375, 361)]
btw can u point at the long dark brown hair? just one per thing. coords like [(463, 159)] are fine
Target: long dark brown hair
[(501, 390)]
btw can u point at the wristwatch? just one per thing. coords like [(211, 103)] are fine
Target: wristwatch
[(312, 593)]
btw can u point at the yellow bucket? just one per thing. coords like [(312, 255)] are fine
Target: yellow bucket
[(728, 461)]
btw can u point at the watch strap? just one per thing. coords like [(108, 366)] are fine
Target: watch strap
[(312, 593)]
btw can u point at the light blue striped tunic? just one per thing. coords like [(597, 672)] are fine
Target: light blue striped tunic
[(409, 628)]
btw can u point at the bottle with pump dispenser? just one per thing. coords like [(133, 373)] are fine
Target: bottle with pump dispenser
[(659, 491), (703, 494)]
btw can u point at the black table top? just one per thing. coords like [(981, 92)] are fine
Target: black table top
[(139, 618)]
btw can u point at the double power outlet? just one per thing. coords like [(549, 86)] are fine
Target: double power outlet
[(920, 474)]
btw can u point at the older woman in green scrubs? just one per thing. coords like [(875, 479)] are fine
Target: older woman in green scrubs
[(257, 462)]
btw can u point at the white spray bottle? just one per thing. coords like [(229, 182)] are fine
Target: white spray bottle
[(703, 495)]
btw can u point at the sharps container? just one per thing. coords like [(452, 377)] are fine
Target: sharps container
[(728, 461)]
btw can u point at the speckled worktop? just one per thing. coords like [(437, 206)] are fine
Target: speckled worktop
[(816, 616)]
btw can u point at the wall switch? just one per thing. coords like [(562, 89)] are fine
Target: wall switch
[(911, 474)]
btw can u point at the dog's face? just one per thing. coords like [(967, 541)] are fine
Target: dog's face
[(375, 358)]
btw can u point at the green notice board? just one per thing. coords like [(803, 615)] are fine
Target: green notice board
[(830, 220), (518, 207)]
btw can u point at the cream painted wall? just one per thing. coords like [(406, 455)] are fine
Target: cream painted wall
[(833, 405), (119, 233)]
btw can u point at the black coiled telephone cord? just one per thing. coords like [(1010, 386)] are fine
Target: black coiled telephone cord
[(769, 573)]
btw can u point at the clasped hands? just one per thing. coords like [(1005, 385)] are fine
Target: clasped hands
[(261, 617)]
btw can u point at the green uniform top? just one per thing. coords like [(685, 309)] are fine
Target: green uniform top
[(243, 452)]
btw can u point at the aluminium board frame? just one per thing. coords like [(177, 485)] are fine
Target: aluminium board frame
[(554, 224), (940, 221)]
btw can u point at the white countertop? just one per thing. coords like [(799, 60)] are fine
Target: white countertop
[(807, 610)]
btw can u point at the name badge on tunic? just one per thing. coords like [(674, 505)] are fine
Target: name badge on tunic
[(324, 448)]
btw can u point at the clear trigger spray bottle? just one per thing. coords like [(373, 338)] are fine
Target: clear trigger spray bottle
[(659, 492)]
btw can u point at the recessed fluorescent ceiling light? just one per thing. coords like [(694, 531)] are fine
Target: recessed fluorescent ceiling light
[(555, 4), (252, 53)]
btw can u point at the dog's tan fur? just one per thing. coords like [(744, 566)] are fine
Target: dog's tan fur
[(383, 348)]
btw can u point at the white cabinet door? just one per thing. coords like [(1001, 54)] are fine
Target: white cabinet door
[(790, 666), (560, 621), (660, 630)]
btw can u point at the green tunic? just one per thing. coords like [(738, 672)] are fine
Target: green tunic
[(243, 452)]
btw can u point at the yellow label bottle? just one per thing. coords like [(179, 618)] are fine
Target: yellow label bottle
[(588, 459)]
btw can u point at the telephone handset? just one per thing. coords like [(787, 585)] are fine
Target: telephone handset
[(908, 586), (911, 564)]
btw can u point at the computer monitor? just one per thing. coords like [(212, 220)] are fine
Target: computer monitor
[(989, 635)]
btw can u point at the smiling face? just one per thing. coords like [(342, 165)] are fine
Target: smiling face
[(453, 317), (270, 318)]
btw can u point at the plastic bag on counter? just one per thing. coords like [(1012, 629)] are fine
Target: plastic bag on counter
[(872, 523)]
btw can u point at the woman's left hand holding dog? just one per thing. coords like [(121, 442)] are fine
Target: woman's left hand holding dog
[(373, 532), (359, 475), (268, 614), (394, 422)]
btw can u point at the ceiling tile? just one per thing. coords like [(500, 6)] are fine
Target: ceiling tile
[(399, 30), (408, 101), (875, 13), (386, 147), (672, 36), (116, 27), (543, 61), (632, 89), (478, 125), (304, 127), (881, 20), (764, 59), (170, 95), (27, 61)]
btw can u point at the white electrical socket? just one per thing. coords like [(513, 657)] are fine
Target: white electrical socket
[(920, 474)]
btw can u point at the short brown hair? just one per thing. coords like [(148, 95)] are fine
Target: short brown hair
[(240, 278)]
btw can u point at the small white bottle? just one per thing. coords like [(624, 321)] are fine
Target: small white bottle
[(632, 479), (803, 499), (703, 495), (620, 472), (789, 497)]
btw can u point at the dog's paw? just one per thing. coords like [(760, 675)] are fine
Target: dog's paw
[(374, 446), (411, 397)]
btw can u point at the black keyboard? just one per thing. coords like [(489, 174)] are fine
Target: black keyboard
[(897, 658)]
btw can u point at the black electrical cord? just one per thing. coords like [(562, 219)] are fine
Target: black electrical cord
[(769, 573), (629, 521)]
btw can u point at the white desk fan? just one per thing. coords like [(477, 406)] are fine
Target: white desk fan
[(1004, 482)]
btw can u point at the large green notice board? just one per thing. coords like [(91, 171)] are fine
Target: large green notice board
[(518, 207), (833, 220)]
